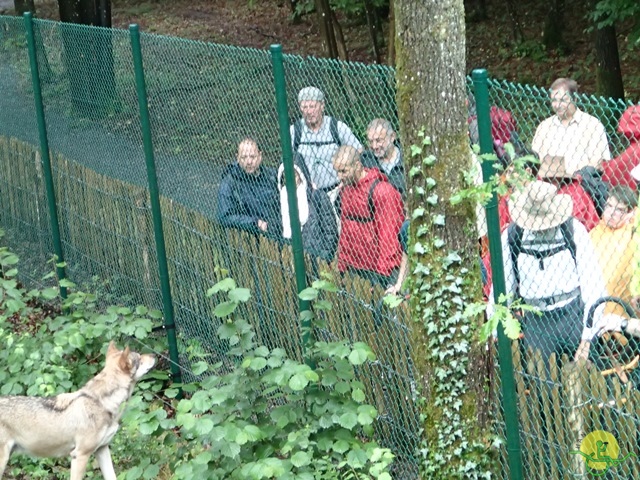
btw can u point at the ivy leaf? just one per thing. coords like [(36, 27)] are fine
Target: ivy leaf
[(439, 220), (432, 199), (417, 213), (415, 150), (429, 160)]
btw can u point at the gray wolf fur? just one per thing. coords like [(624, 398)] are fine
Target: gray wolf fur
[(78, 423)]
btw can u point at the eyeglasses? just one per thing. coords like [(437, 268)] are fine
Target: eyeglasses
[(621, 210)]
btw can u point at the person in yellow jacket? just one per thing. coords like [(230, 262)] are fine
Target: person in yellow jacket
[(615, 244)]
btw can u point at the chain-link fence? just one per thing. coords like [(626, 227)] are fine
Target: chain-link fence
[(223, 194), (228, 209), (567, 238)]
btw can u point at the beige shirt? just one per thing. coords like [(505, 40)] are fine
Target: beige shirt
[(583, 142)]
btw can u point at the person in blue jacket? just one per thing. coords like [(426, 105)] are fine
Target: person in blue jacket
[(248, 198)]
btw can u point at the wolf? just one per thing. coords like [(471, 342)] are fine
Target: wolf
[(78, 423)]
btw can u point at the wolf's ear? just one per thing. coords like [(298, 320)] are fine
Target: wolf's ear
[(112, 348), (125, 361)]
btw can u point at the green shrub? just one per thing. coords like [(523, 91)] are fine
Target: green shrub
[(268, 417)]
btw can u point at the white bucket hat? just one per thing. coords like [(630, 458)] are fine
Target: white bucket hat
[(539, 206), (310, 93)]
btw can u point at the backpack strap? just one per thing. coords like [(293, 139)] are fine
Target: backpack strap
[(333, 128), (567, 234), (297, 134), (514, 241), (370, 203)]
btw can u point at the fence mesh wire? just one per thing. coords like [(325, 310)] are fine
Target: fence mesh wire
[(225, 213), (569, 252)]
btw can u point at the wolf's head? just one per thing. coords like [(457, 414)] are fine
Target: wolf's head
[(129, 362)]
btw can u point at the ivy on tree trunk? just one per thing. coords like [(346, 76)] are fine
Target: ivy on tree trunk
[(430, 60)]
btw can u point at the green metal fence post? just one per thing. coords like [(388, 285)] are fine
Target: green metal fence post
[(44, 152), (290, 179), (514, 451), (163, 269)]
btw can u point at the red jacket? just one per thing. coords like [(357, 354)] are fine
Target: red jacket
[(369, 240), (617, 171), (583, 208)]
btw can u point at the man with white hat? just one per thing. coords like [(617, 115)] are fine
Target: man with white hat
[(550, 264), (317, 137)]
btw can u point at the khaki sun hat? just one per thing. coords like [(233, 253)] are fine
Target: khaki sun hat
[(539, 206)]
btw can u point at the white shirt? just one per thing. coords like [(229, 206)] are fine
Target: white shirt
[(318, 157), (583, 142), (560, 273)]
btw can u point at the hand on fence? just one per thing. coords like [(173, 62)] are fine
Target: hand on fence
[(582, 353)]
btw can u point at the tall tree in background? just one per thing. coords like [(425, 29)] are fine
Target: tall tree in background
[(608, 73), (605, 15), (86, 12), (22, 6), (431, 96), (92, 80), (330, 30), (552, 35)]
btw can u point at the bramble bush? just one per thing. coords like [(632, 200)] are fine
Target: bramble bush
[(268, 417)]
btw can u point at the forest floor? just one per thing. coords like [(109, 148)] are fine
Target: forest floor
[(490, 43)]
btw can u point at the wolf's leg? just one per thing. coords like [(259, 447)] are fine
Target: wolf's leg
[(78, 465), (106, 465), (5, 453)]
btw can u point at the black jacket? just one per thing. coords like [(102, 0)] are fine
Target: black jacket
[(395, 177), (244, 199), (320, 233)]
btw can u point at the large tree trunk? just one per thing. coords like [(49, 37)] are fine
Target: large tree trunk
[(325, 21), (88, 55), (552, 37), (373, 26), (431, 97), (391, 52), (22, 6), (608, 74)]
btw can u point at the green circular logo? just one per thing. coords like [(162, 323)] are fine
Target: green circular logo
[(599, 449)]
